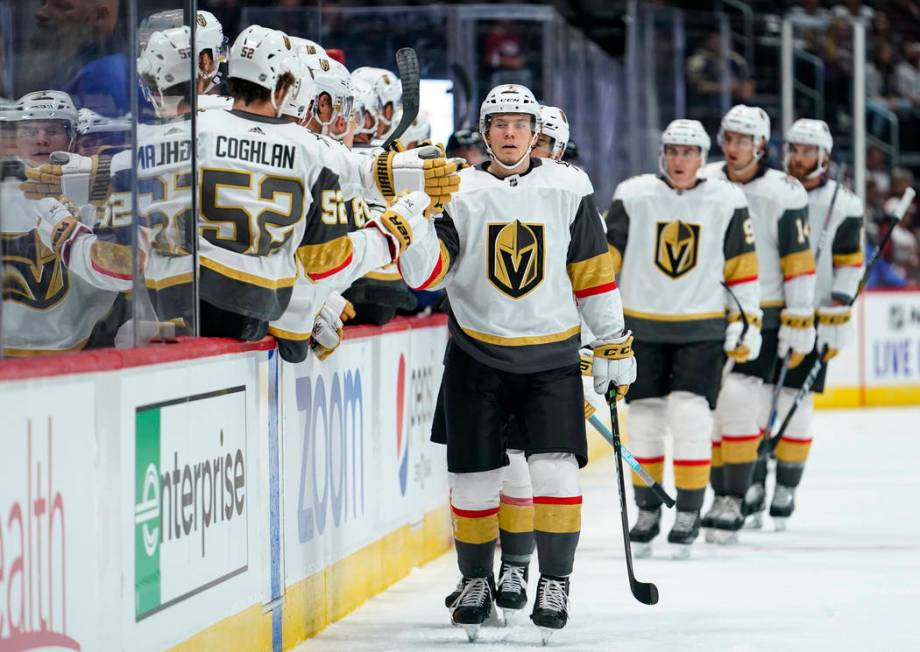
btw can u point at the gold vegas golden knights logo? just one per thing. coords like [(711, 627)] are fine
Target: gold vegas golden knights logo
[(324, 64), (515, 257), (676, 248)]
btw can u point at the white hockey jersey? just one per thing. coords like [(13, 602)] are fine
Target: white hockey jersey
[(261, 183), (47, 306), (778, 206), (841, 261), (673, 249), (520, 257), (164, 196)]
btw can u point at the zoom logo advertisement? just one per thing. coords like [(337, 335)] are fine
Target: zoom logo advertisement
[(332, 464), (190, 497)]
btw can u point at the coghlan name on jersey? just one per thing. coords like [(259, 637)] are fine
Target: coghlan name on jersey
[(276, 155), (681, 244), (521, 258)]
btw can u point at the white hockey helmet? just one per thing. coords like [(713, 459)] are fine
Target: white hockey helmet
[(509, 98), (297, 102), (260, 55), (750, 120), (806, 131), (90, 122), (332, 78), (165, 62), (365, 103), (556, 127), (209, 35), (419, 130), (684, 132), (387, 90), (48, 105), (307, 48)]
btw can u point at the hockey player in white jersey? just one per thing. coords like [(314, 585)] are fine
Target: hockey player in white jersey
[(554, 135), (778, 207), (676, 239), (250, 157), (519, 274), (838, 247), (387, 99), (515, 514)]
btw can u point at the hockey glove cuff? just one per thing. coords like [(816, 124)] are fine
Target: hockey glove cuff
[(59, 227), (403, 221), (834, 330), (328, 328), (738, 348), (796, 334), (613, 363)]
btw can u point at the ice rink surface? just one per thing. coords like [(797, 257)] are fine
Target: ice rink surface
[(844, 576)]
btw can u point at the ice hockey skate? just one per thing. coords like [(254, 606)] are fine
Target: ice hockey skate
[(782, 506), (683, 534), (511, 590), (753, 506), (551, 606), (709, 518), (728, 521), (647, 527), (474, 606)]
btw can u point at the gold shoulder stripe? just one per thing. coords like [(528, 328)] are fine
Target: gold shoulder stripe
[(527, 340), (617, 258), (592, 272), (798, 263), (743, 266), (322, 260)]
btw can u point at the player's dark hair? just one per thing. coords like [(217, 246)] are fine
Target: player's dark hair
[(249, 92)]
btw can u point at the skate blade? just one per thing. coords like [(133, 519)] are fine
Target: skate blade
[(754, 521), (779, 523), (725, 537), (510, 615), (710, 535), (680, 551), (472, 632), (641, 550), (545, 634)]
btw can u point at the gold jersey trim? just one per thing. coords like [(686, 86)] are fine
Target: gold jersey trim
[(169, 282), (651, 316), (590, 273), (526, 340), (243, 277)]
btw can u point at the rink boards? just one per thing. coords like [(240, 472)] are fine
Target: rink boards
[(882, 366), (203, 495), (206, 496)]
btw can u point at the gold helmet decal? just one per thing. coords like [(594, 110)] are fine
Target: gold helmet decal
[(201, 20), (324, 64), (515, 257), (677, 247)]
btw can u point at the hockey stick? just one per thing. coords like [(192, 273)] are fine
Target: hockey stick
[(822, 239), (644, 592), (407, 63), (730, 362), (774, 400), (634, 464), (812, 376), (466, 85)]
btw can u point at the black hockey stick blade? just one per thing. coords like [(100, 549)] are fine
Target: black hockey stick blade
[(644, 592), (407, 63)]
